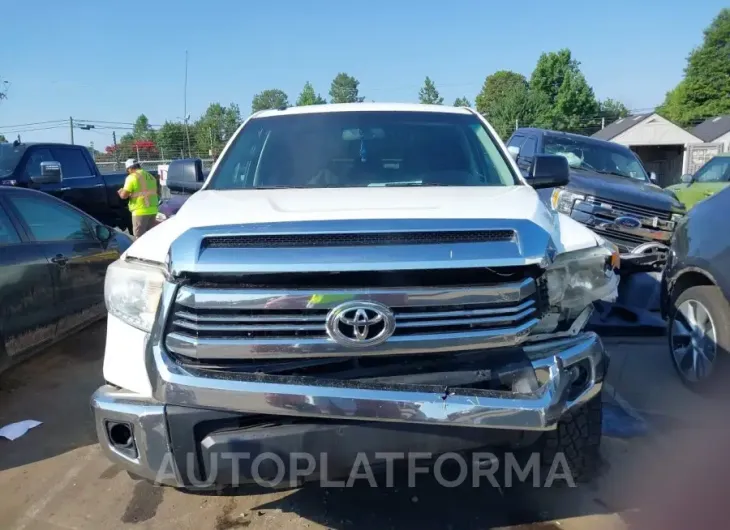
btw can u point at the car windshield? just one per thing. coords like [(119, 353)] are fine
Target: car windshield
[(716, 170), (9, 157), (363, 149), (596, 157)]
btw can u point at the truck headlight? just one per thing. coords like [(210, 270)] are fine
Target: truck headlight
[(563, 200), (578, 278), (132, 292)]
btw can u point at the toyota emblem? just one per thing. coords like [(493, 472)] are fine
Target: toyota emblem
[(359, 324)]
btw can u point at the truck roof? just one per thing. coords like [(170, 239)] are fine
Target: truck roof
[(550, 132), (367, 107)]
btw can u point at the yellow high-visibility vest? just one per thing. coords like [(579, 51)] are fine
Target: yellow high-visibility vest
[(142, 188)]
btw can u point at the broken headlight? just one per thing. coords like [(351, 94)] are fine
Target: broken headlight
[(576, 279)]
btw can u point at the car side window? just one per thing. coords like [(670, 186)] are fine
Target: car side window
[(48, 220), (516, 141), (8, 234), (73, 163), (716, 170), (528, 148), (33, 164)]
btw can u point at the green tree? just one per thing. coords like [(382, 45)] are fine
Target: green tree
[(428, 93), (566, 101), (611, 110), (3, 89), (462, 102), (705, 89), (172, 141), (3, 140), (506, 101), (309, 97), (344, 89), (272, 98), (215, 127), (142, 129)]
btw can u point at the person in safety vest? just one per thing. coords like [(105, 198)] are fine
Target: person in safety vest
[(141, 189)]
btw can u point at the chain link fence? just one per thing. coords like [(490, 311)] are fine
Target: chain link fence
[(149, 165)]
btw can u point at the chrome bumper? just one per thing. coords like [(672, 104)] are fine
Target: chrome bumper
[(538, 411)]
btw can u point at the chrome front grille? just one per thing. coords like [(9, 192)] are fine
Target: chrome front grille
[(230, 323), (612, 219), (622, 208)]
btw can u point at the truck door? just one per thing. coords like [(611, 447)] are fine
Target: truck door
[(80, 185), (27, 311), (78, 259)]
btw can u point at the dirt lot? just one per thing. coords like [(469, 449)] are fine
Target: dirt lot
[(55, 478)]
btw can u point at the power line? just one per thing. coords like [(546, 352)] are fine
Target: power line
[(29, 124)]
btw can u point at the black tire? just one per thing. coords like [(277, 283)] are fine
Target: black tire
[(576, 442), (719, 309)]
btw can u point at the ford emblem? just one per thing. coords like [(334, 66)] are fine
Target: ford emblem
[(627, 222)]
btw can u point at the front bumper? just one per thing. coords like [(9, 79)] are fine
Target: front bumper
[(569, 370)]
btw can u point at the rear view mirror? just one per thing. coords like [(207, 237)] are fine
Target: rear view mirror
[(514, 151), (185, 175), (548, 171), (686, 179), (50, 173)]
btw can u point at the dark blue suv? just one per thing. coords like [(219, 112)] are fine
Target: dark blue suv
[(609, 189)]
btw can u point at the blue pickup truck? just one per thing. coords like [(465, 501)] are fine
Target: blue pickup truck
[(69, 173)]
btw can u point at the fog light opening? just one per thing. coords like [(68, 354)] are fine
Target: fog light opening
[(579, 379), (120, 435)]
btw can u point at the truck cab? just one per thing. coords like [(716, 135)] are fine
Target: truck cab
[(609, 190), (69, 173)]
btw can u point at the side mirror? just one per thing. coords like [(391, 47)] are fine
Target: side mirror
[(103, 233), (548, 171), (653, 177), (185, 175), (50, 174), (513, 151), (686, 179)]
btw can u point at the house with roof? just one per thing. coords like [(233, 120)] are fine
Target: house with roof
[(715, 131), (664, 147)]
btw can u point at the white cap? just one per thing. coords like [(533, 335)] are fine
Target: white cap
[(130, 162)]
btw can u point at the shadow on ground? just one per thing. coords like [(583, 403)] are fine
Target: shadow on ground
[(53, 387)]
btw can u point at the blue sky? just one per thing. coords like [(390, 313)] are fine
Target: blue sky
[(112, 61)]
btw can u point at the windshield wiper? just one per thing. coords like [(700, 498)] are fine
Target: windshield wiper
[(615, 173)]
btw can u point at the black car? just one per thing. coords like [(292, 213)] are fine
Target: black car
[(53, 259), (69, 173), (695, 294), (609, 189)]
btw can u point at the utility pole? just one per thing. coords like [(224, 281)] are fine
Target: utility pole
[(185, 103), (517, 123), (603, 122), (116, 151), (71, 124)]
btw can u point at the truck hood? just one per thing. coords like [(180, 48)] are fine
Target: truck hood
[(623, 189), (248, 207)]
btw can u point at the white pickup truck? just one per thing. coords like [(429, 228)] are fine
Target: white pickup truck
[(362, 279)]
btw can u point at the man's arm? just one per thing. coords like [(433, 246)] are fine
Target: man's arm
[(128, 188)]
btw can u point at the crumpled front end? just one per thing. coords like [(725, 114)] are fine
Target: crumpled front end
[(419, 329)]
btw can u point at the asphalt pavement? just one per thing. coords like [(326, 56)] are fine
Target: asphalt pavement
[(54, 477)]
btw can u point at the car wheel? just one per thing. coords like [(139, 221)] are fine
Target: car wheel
[(576, 443), (699, 337)]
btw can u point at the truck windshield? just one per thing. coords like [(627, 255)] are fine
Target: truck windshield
[(363, 149), (9, 157), (598, 157)]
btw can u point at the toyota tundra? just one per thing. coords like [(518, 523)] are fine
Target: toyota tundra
[(358, 279)]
